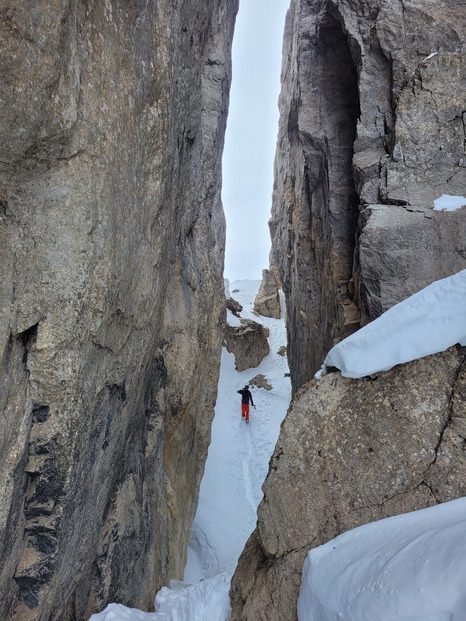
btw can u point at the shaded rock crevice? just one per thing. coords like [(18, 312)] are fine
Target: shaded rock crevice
[(452, 406)]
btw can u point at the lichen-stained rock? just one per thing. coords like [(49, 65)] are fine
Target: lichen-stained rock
[(111, 294), (248, 342), (351, 452), (267, 302), (371, 132)]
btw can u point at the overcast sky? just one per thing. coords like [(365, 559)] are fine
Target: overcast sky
[(251, 136)]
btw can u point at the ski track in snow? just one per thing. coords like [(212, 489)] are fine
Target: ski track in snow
[(246, 459)]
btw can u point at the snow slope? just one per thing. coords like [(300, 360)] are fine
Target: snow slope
[(239, 453), (407, 568)]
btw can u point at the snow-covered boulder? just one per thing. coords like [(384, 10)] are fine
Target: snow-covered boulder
[(410, 566), (430, 321)]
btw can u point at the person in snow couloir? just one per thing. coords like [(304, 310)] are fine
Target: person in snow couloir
[(246, 397)]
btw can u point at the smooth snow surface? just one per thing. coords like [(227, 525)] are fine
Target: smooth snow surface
[(430, 321), (449, 203), (233, 320), (410, 567), (236, 467)]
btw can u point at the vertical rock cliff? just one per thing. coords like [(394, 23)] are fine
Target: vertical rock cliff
[(111, 257), (371, 133)]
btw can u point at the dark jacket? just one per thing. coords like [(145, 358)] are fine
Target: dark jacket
[(246, 396)]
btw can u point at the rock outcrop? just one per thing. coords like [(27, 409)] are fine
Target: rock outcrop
[(351, 452), (234, 307), (112, 308), (267, 302), (260, 381), (248, 343), (371, 132)]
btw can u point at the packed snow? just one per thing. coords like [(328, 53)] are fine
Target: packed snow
[(430, 321), (449, 203), (206, 600), (410, 567), (430, 56)]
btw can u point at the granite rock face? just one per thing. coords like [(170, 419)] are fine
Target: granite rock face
[(372, 131), (351, 452), (248, 342), (111, 294)]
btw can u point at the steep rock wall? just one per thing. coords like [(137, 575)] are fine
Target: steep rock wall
[(111, 256), (371, 133), (351, 452)]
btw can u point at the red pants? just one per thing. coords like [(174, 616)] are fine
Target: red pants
[(245, 410)]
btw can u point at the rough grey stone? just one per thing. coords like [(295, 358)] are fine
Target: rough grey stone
[(248, 342), (112, 119), (234, 306), (401, 251), (368, 117), (267, 302), (351, 452)]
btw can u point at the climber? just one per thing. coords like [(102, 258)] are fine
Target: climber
[(246, 397)]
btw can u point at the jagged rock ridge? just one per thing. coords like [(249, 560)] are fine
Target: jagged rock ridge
[(111, 256)]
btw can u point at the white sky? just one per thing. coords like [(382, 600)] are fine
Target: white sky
[(251, 136)]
